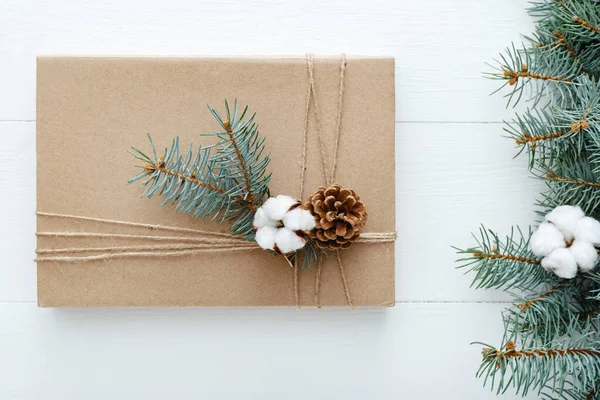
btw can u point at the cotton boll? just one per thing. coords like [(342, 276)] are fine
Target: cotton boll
[(262, 219), (566, 218), (545, 239), (299, 219), (265, 237), (272, 208), (588, 230), (561, 262), (286, 202), (287, 241), (585, 255), (276, 207)]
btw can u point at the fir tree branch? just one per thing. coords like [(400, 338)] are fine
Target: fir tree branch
[(526, 304), (551, 130), (518, 67), (240, 153), (585, 23), (589, 314), (513, 76), (511, 352), (525, 139), (562, 40), (160, 167), (556, 322), (565, 365), (541, 318), (511, 257), (594, 392), (578, 17), (226, 186), (553, 177), (570, 180), (562, 4), (594, 292), (507, 264), (243, 167)]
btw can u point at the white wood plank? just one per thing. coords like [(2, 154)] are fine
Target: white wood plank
[(17, 212), (413, 351), (440, 46), (450, 178)]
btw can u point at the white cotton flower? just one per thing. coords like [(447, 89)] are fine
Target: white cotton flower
[(561, 262), (287, 241), (276, 207), (262, 219), (546, 238), (265, 237), (281, 225), (299, 219), (585, 255), (588, 230), (566, 218)]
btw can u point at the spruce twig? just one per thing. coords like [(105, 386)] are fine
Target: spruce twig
[(556, 322), (225, 182), (504, 264)]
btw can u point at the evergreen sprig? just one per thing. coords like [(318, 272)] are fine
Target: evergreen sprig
[(504, 264), (224, 182), (569, 363), (520, 67), (542, 317), (570, 181), (551, 334)]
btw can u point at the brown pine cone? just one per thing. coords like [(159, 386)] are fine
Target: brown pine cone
[(339, 214)]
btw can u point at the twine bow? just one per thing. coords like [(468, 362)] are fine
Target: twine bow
[(201, 241)]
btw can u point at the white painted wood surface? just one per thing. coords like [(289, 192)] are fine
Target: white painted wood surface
[(454, 171)]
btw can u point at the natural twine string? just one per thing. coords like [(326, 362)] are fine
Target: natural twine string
[(329, 176), (312, 93), (169, 247), (145, 254), (139, 225), (211, 240), (175, 245), (310, 63), (216, 241), (338, 122)]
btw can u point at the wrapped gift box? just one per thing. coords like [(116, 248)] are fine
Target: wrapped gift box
[(91, 110)]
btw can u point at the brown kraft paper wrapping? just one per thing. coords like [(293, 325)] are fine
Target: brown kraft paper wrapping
[(91, 110)]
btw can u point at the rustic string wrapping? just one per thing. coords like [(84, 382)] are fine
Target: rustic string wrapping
[(206, 241), (329, 176)]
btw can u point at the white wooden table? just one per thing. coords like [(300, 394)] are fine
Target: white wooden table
[(454, 171)]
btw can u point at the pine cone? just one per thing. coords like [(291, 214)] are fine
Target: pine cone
[(339, 214)]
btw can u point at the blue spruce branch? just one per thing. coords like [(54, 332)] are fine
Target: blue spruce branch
[(223, 182), (554, 322)]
